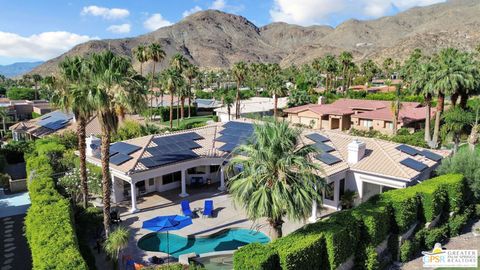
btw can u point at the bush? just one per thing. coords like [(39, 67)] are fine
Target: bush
[(392, 246), (434, 197), (405, 203), (457, 223), (256, 256), (300, 250), (19, 93), (49, 222), (408, 250), (435, 235), (14, 151), (375, 221), (215, 118), (372, 262)]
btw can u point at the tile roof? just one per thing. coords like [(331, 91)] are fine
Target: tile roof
[(382, 157), (406, 115)]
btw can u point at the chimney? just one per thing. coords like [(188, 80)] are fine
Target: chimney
[(356, 151), (321, 100), (93, 146)]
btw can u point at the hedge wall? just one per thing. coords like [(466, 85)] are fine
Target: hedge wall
[(330, 242), (49, 222), (256, 257)]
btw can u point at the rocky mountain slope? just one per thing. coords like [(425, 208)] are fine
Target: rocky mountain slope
[(214, 39)]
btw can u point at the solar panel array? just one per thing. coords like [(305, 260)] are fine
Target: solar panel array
[(172, 149), (317, 137), (323, 147), (413, 164), (120, 152), (55, 120), (327, 158), (431, 155), (233, 134)]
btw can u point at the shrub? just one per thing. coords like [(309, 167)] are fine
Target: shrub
[(433, 195), (457, 191), (392, 246), (435, 235), (215, 118), (48, 224), (372, 262), (405, 204), (14, 151), (19, 93), (457, 223), (375, 221), (300, 250), (408, 250), (256, 256)]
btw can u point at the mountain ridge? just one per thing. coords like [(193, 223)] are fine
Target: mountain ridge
[(213, 39), (18, 68)]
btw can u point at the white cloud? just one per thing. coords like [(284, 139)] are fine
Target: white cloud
[(155, 21), (218, 4), (191, 11), (41, 46), (106, 13), (308, 12), (119, 28)]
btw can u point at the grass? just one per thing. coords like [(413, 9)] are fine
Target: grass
[(189, 121)]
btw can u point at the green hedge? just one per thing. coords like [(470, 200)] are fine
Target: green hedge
[(457, 190), (256, 256), (374, 218), (49, 223), (434, 196), (405, 203), (300, 250)]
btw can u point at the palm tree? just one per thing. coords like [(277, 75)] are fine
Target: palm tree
[(180, 64), (156, 54), (190, 73), (420, 84), (115, 242), (116, 89), (141, 55), (36, 79), (276, 86), (395, 107), (4, 116), (346, 60), (278, 178), (455, 120), (172, 81), (387, 67), (239, 71), (72, 94)]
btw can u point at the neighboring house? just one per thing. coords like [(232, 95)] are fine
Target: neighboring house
[(56, 122), (185, 159), (344, 114), (262, 106), (23, 109), (203, 106), (206, 106)]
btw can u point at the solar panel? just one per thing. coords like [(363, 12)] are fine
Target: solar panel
[(407, 149), (431, 155), (323, 147), (237, 132), (317, 137), (174, 157), (177, 138), (413, 164), (228, 147), (119, 158), (228, 139), (238, 125), (124, 148), (327, 158)]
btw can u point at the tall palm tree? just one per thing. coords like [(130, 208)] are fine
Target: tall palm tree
[(276, 86), (180, 64), (395, 107), (278, 178), (116, 89), (173, 80), (420, 84), (190, 73), (36, 79), (4, 116), (346, 59), (239, 71), (156, 54), (387, 67), (455, 121), (70, 93), (329, 65), (141, 55)]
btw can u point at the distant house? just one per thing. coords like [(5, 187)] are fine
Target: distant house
[(23, 109), (344, 114), (262, 106), (56, 122)]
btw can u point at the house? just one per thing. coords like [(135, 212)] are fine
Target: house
[(23, 109), (345, 114), (261, 106), (203, 106), (197, 157), (56, 122)]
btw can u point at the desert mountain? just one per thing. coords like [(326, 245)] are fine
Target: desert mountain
[(17, 69), (214, 39)]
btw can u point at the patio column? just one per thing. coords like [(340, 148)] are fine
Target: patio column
[(184, 185), (313, 218), (133, 194), (222, 179)]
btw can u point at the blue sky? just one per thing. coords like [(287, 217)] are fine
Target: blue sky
[(39, 30)]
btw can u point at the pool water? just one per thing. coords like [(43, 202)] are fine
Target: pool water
[(229, 239)]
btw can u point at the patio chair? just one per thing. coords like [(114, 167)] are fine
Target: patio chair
[(208, 208), (186, 208)]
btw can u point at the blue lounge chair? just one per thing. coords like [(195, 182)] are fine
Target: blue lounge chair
[(208, 208), (186, 208)]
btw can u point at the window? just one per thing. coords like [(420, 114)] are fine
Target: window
[(151, 181), (342, 187), (389, 125), (367, 123), (330, 191), (172, 177), (214, 168), (196, 170)]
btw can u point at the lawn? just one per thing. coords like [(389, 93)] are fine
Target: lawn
[(189, 121)]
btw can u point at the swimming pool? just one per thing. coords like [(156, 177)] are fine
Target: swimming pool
[(229, 239)]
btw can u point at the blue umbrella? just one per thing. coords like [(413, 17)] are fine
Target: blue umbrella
[(166, 224)]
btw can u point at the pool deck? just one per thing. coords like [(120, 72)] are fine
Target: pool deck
[(226, 215)]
